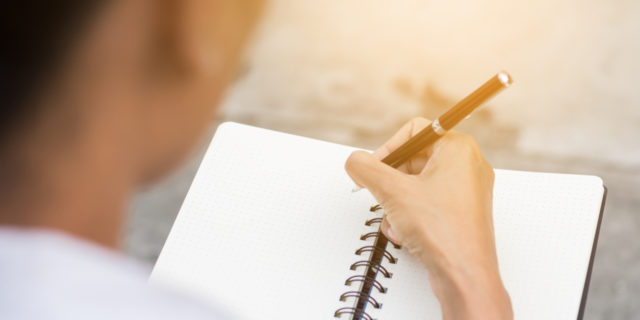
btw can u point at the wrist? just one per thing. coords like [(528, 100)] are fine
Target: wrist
[(471, 291)]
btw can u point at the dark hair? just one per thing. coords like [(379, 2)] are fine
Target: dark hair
[(35, 36)]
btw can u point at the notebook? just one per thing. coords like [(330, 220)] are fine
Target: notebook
[(271, 230)]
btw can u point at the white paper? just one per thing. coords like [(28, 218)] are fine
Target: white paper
[(269, 227)]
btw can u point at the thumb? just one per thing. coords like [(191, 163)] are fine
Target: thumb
[(388, 231), (369, 172)]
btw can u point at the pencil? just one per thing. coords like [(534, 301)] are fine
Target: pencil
[(448, 120)]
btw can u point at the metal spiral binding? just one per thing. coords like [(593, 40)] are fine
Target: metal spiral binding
[(385, 253), (352, 311), (376, 283), (370, 222), (358, 294), (367, 264), (368, 280)]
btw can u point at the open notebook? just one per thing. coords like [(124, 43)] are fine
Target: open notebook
[(270, 227)]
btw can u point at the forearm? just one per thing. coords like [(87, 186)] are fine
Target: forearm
[(473, 291)]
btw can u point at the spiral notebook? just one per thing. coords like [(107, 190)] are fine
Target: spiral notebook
[(271, 230)]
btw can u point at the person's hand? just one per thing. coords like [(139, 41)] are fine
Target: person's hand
[(438, 205)]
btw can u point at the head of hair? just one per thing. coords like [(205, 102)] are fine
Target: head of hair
[(36, 35)]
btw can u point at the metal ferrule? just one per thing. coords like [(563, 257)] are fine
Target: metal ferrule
[(437, 128)]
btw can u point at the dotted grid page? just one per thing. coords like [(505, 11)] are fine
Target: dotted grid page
[(269, 227), (545, 226)]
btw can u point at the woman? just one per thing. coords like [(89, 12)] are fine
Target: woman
[(102, 97)]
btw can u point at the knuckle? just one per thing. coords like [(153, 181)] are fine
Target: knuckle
[(420, 121), (464, 144), (417, 123)]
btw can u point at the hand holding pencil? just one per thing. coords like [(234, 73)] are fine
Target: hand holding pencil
[(438, 205)]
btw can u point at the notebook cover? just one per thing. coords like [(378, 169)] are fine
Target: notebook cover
[(585, 291)]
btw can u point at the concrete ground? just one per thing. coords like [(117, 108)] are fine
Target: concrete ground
[(353, 71)]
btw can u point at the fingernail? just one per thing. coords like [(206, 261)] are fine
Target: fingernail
[(391, 235), (356, 189)]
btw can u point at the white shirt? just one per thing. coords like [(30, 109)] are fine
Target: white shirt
[(50, 275)]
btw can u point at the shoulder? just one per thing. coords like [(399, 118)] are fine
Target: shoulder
[(49, 276)]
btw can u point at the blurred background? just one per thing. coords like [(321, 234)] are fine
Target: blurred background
[(353, 72)]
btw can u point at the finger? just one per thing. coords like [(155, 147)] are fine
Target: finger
[(368, 172), (407, 131), (388, 232), (452, 149), (415, 164)]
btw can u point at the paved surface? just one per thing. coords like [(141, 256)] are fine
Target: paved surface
[(353, 71)]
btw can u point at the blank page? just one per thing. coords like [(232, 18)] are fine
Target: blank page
[(545, 226), (269, 227)]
